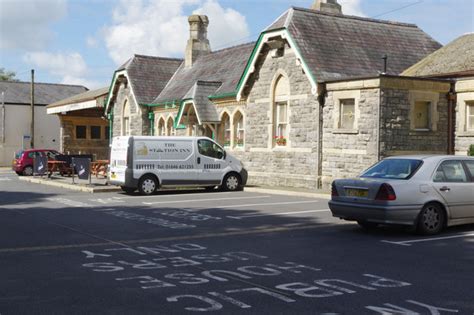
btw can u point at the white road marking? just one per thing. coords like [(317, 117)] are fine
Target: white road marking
[(278, 213), (251, 205), (200, 200), (4, 179), (169, 196), (431, 239)]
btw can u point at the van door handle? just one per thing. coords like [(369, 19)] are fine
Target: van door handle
[(444, 188), (199, 160)]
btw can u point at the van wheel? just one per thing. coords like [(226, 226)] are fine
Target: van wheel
[(431, 219), (128, 190), (232, 182), (148, 185), (28, 171)]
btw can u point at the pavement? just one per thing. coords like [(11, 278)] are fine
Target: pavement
[(99, 185)]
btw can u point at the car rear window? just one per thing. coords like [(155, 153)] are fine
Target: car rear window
[(393, 169)]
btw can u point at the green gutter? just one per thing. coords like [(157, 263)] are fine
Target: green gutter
[(224, 95), (112, 84), (257, 45), (151, 117), (166, 104), (110, 117), (180, 113)]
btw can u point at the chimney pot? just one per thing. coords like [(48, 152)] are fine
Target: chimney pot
[(198, 44), (330, 6)]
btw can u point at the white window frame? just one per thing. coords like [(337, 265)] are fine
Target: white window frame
[(469, 114), (239, 127), (281, 124), (341, 113)]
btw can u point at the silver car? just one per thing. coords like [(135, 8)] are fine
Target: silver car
[(427, 192)]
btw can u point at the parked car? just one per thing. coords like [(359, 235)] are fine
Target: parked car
[(23, 162), (426, 192)]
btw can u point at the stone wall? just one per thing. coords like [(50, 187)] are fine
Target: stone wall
[(99, 148), (463, 137), (295, 165), (397, 134), (139, 122), (348, 152)]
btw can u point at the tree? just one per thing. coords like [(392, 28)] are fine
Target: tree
[(6, 75)]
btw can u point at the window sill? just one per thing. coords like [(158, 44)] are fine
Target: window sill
[(346, 131), (465, 134), (419, 131)]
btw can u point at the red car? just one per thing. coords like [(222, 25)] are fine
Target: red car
[(23, 162)]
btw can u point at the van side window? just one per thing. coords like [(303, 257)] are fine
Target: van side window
[(209, 148)]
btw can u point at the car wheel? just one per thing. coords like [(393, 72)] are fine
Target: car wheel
[(367, 225), (431, 220), (28, 171), (148, 185), (128, 190), (232, 182)]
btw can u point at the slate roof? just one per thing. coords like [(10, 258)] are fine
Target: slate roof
[(225, 66), (338, 46), (148, 75), (45, 93), (454, 59), (200, 94), (82, 97)]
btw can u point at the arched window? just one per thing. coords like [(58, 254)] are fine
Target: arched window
[(280, 111), (225, 127), (161, 130), (126, 119), (239, 131), (170, 130)]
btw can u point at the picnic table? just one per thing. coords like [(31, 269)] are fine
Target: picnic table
[(99, 167), (58, 166)]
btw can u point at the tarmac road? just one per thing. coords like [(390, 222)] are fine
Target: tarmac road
[(64, 252)]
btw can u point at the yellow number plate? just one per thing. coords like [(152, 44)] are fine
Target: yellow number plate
[(363, 193)]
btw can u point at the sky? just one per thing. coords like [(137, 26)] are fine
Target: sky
[(84, 41)]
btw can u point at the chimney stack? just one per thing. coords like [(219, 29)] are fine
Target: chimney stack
[(330, 6), (198, 44)]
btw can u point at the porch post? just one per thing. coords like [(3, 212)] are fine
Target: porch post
[(110, 117)]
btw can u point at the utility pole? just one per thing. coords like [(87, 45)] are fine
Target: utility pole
[(32, 129)]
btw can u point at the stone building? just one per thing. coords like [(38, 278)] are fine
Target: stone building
[(455, 62), (83, 127), (311, 100)]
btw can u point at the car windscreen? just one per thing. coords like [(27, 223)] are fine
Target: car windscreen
[(18, 154), (393, 169)]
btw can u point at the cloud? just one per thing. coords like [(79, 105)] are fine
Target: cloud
[(352, 7), (226, 26), (160, 27), (26, 25), (71, 67)]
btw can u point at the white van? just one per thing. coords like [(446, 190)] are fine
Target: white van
[(148, 163)]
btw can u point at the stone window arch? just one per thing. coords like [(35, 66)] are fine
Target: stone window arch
[(226, 130), (238, 129), (170, 130), (280, 110), (125, 119), (161, 127)]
